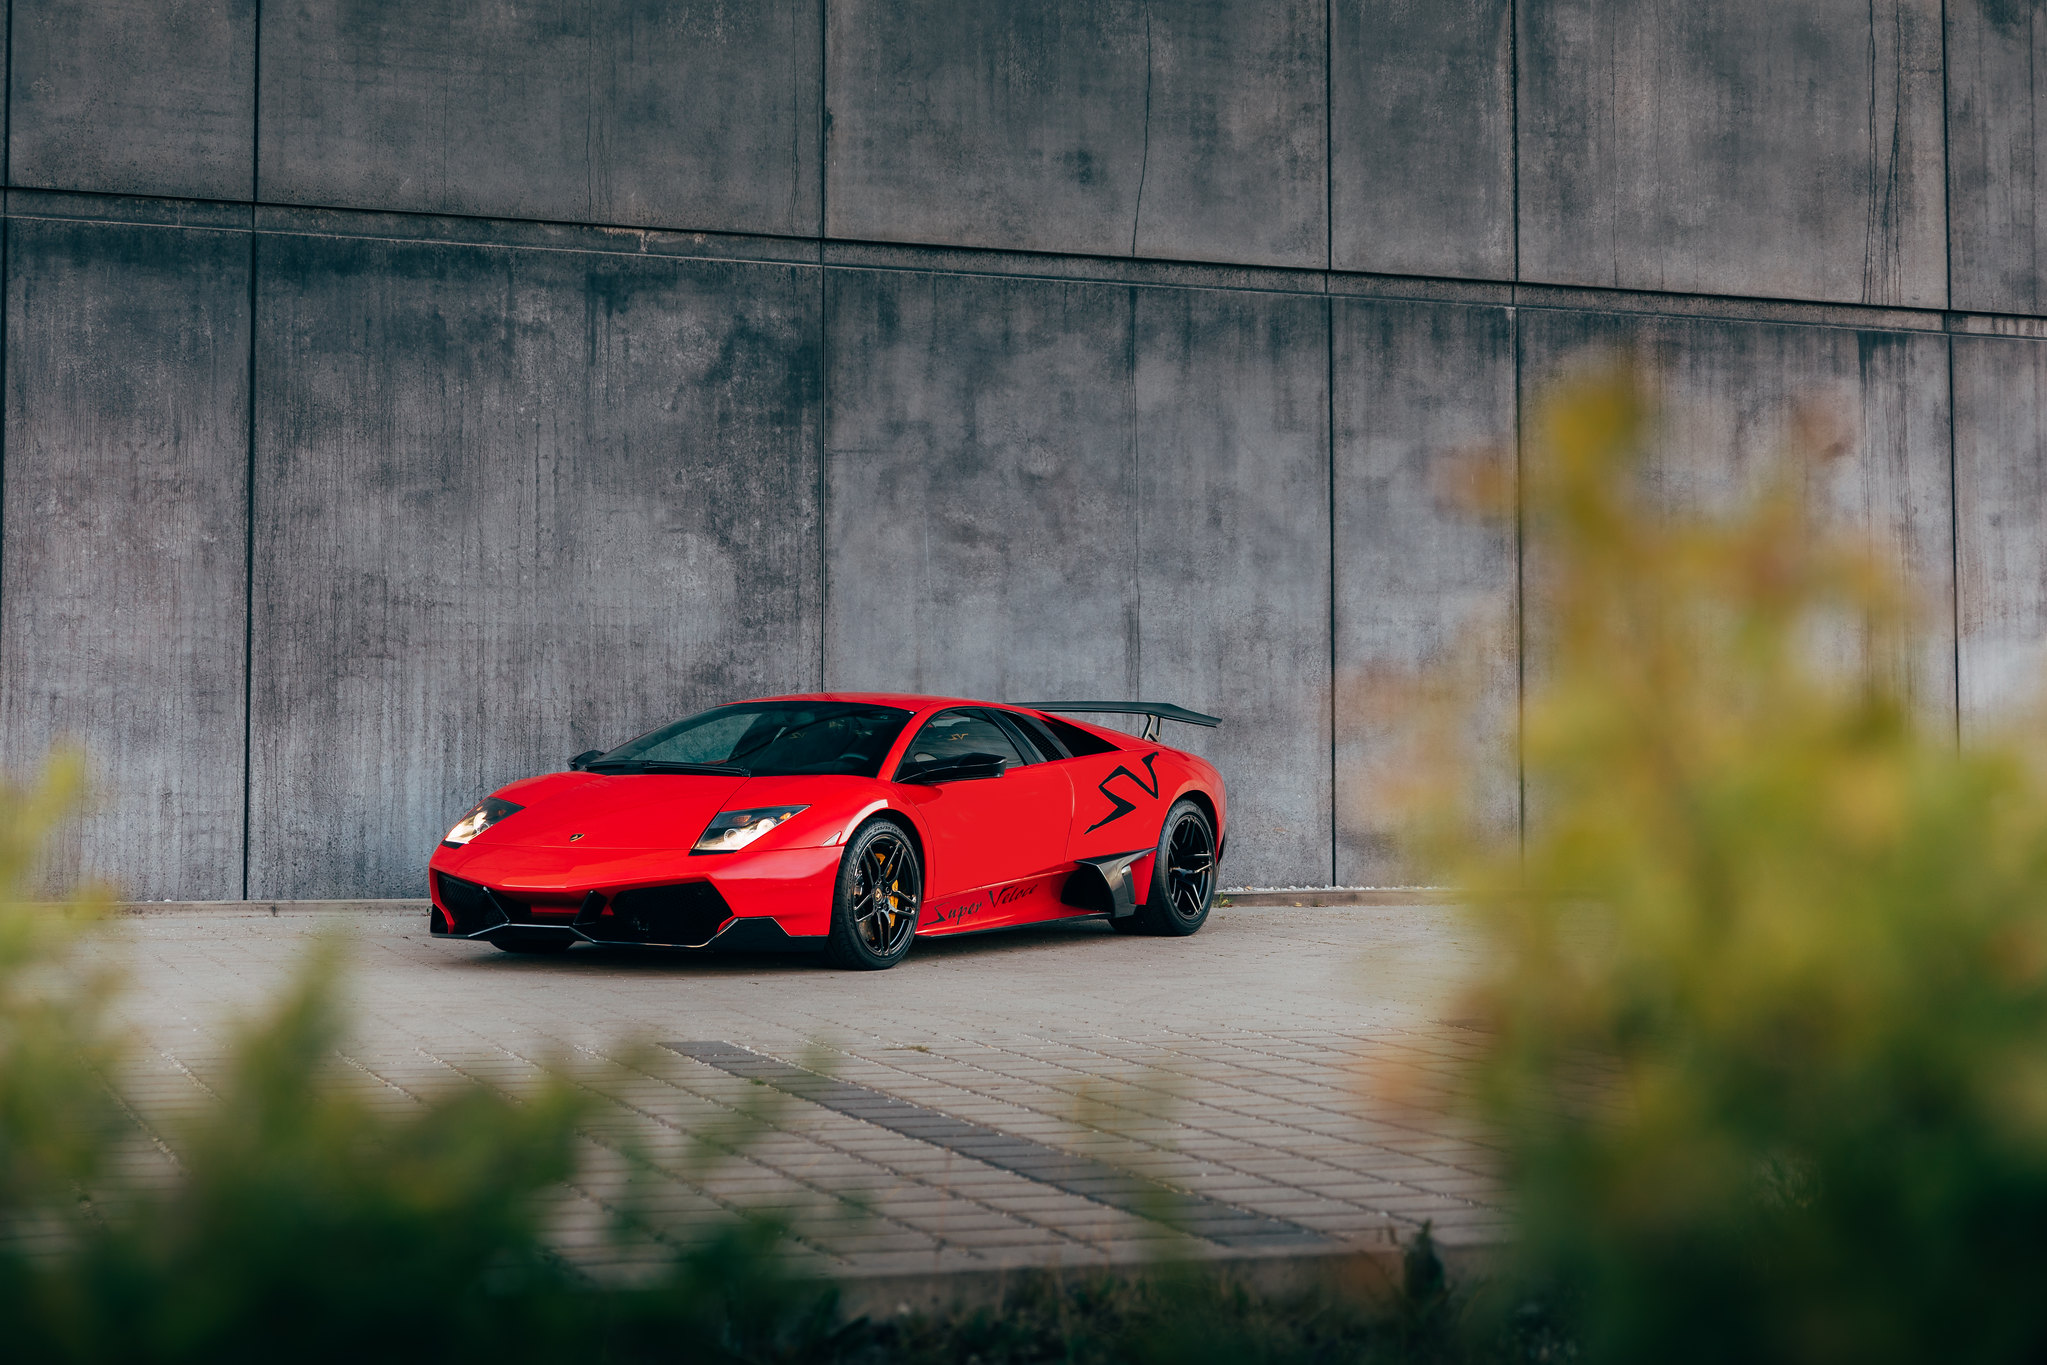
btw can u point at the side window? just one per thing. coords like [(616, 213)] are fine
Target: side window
[(1040, 738), (1077, 740), (952, 734)]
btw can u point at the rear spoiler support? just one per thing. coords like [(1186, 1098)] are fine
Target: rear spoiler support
[(1152, 711)]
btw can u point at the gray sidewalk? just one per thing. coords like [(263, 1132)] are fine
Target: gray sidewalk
[(1059, 1096)]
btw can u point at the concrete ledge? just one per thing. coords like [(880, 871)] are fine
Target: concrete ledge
[(1373, 1275), (361, 907), (1336, 895)]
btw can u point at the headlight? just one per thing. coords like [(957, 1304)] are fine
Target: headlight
[(481, 817), (733, 830)]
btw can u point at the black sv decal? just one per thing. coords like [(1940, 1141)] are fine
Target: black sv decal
[(1122, 807)]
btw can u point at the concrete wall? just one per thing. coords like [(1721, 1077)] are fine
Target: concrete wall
[(123, 551), (599, 509), (400, 397)]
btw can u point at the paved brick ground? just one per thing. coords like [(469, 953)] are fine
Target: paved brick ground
[(1291, 1063)]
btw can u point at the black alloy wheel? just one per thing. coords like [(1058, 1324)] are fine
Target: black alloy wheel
[(874, 908), (1182, 876)]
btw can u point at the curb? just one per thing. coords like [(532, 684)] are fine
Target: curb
[(269, 908), (1374, 1275), (1337, 895)]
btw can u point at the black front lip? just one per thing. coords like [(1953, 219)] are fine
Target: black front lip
[(736, 934), (761, 934)]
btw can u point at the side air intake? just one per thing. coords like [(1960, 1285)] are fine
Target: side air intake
[(471, 908)]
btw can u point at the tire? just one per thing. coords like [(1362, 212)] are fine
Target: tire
[(1182, 875), (535, 945), (875, 903)]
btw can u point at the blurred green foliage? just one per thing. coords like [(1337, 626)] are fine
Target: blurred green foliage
[(1176, 1316), (301, 1218), (1770, 1025)]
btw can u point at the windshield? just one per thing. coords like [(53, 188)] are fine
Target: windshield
[(769, 739)]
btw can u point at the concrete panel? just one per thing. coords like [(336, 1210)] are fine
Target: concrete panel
[(980, 485), (673, 113), (1743, 147), (1232, 518), (1730, 392), (2000, 509), (1421, 165), (1016, 467), (1423, 585), (1997, 128), (124, 563), (1114, 127), (510, 505), (134, 96)]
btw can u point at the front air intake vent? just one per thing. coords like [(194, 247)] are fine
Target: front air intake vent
[(471, 908), (686, 915)]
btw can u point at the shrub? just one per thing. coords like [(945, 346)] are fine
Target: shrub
[(302, 1219), (1770, 1026)]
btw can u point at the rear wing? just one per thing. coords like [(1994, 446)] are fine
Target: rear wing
[(1152, 711)]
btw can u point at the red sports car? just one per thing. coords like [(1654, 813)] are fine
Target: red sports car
[(842, 822)]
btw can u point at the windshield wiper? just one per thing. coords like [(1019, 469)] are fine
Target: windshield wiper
[(657, 765)]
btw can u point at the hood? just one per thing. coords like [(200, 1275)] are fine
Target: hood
[(628, 810)]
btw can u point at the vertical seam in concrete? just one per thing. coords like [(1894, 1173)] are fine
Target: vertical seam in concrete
[(824, 365), (1328, 146), (1514, 152), (255, 110), (249, 575), (1329, 378), (824, 483), (1954, 521), (6, 368), (1329, 395), (6, 260), (1134, 667), (7, 106), (1872, 219), (1954, 507), (1947, 198), (249, 467), (1144, 161), (823, 123), (1520, 592)]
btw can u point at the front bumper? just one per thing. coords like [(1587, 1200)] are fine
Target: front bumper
[(778, 900)]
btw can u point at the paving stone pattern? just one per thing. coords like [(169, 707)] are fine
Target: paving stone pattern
[(1287, 1069)]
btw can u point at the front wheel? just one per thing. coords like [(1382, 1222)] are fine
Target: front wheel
[(874, 905), (1182, 875)]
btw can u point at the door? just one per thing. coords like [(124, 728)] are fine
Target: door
[(991, 844)]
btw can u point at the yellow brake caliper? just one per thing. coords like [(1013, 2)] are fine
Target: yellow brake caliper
[(885, 895)]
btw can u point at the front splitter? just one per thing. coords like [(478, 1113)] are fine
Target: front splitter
[(753, 934)]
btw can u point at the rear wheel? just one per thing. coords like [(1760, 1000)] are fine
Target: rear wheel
[(1182, 875), (874, 906)]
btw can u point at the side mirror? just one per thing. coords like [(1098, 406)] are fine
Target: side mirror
[(959, 768), (576, 763)]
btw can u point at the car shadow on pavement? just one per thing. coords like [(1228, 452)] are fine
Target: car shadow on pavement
[(1075, 935)]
